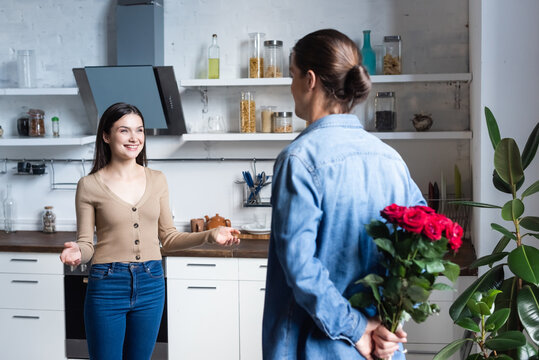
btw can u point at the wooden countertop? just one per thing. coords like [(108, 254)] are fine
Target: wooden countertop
[(251, 246)]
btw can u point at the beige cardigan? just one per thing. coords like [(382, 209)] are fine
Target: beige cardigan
[(129, 232)]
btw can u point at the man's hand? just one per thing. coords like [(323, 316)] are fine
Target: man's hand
[(385, 342), (365, 345)]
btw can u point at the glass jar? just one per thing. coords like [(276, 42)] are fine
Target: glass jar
[(392, 57), (36, 122), (49, 220), (385, 115), (282, 122), (273, 59), (256, 59), (266, 116), (247, 112)]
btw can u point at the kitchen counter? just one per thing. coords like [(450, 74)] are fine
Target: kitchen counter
[(251, 246)]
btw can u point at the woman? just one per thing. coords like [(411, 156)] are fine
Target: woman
[(328, 183), (128, 205)]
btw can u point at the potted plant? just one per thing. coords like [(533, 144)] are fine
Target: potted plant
[(500, 310)]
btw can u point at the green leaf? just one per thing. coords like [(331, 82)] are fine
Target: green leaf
[(451, 271), (475, 357), (508, 299), (502, 244), (497, 319), (361, 300), (503, 231), (377, 229), (506, 341), (442, 287), (458, 183), (531, 147), (531, 190), (420, 281), (469, 324), (526, 351), (490, 297), (386, 245), (434, 267), (512, 210), (501, 357), (530, 223), (492, 126), (500, 184), (528, 311), (450, 349), (417, 293), (524, 263), (488, 259), (475, 204), (489, 280), (507, 161)]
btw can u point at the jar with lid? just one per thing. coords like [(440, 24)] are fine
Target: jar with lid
[(55, 126), (282, 122), (385, 115), (49, 220), (36, 123), (247, 112), (256, 56), (392, 57), (273, 59), (266, 118)]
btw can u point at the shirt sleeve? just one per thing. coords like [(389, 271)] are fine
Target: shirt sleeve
[(172, 239), (296, 216), (85, 213)]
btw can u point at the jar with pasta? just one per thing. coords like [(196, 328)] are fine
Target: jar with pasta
[(273, 59), (392, 57), (36, 126), (256, 56), (266, 118), (282, 122), (247, 112)]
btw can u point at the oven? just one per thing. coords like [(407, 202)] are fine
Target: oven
[(75, 282)]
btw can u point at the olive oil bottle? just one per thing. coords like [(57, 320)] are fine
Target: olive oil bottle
[(213, 59)]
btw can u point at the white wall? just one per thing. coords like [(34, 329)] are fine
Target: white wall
[(75, 33), (506, 81)]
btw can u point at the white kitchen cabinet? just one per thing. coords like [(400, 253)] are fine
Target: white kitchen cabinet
[(32, 324)]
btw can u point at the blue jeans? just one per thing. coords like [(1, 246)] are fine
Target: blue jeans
[(123, 308)]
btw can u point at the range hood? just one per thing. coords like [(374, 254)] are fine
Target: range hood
[(152, 89)]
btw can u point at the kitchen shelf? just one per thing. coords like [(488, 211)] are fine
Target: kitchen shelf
[(424, 135), (46, 141), (39, 91), (240, 137), (376, 79)]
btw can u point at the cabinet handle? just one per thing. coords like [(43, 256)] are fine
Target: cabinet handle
[(25, 281), (25, 317), (203, 287), (24, 260), (262, 289), (206, 265), (263, 266), (421, 352)]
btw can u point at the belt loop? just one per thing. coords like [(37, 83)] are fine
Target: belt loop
[(112, 266)]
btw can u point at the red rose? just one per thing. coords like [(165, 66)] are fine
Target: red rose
[(442, 220), (433, 228), (454, 234), (413, 220), (393, 213), (426, 209)]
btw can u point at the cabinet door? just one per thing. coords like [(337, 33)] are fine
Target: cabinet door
[(32, 334), (32, 291), (203, 319), (251, 312), (30, 263)]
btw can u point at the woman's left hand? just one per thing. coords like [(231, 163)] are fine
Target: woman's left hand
[(227, 236)]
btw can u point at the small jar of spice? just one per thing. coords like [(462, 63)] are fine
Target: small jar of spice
[(385, 115), (49, 220), (36, 123)]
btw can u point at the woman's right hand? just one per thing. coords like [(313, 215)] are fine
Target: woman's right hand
[(71, 254)]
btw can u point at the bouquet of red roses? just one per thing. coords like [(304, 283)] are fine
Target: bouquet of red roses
[(413, 242)]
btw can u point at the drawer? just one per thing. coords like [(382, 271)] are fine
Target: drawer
[(202, 268), (32, 291), (253, 269), (30, 263)]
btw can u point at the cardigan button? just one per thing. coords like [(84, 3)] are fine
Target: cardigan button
[(134, 208), (136, 242), (137, 257), (135, 225)]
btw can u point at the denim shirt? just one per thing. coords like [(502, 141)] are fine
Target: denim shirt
[(327, 185)]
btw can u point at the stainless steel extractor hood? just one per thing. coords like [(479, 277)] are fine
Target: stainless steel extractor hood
[(152, 89)]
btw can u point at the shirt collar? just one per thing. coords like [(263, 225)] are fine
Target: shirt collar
[(334, 120)]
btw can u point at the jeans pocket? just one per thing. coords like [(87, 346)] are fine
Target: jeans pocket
[(100, 271), (154, 269)]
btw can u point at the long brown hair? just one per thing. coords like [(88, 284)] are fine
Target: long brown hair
[(102, 149), (335, 59)]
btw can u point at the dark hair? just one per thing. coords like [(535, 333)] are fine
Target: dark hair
[(335, 59), (102, 149)]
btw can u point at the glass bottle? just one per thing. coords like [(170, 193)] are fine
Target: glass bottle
[(55, 126), (369, 57), (36, 124), (392, 57), (213, 59), (256, 59), (247, 112), (9, 210), (282, 122), (273, 59), (385, 115), (49, 220), (266, 115)]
